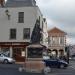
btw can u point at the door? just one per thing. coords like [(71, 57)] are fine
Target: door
[(18, 54)]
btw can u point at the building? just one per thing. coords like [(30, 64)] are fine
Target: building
[(56, 42), (17, 20), (71, 50)]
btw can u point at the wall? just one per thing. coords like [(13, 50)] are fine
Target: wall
[(31, 14)]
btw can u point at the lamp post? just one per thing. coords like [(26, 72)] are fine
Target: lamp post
[(68, 48), (7, 13), (67, 53)]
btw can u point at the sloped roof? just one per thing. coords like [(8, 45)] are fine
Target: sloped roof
[(56, 30), (20, 3)]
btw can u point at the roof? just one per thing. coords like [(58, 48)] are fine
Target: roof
[(20, 3), (56, 30)]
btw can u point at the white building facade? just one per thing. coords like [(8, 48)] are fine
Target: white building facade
[(56, 42), (17, 20)]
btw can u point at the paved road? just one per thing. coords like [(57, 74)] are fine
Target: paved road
[(72, 64), (69, 71), (12, 69)]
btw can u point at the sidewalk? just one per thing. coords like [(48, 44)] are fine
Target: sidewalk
[(21, 63)]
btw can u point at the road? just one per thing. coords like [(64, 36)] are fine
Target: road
[(70, 70), (12, 69)]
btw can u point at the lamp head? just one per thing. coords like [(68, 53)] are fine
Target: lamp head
[(6, 11)]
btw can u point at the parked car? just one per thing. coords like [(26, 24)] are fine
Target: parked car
[(5, 59), (73, 57), (56, 63), (46, 57)]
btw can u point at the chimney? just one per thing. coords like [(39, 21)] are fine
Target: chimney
[(2, 3)]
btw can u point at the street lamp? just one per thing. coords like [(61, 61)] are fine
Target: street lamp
[(7, 13), (68, 51)]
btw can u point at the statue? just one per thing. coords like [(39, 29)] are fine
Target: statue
[(36, 35)]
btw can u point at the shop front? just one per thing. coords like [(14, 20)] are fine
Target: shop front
[(19, 53), (14, 50)]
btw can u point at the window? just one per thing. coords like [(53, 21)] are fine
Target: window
[(6, 51), (26, 33), (12, 33), (21, 17), (53, 40), (61, 40)]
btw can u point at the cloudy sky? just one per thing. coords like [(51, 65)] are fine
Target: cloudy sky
[(61, 14)]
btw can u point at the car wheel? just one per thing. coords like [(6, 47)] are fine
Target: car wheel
[(47, 70), (61, 66), (5, 61)]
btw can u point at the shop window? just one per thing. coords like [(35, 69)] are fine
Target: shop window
[(6, 51)]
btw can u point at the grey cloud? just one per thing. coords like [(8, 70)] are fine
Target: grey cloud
[(60, 13)]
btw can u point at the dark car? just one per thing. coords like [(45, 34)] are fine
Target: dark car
[(56, 63)]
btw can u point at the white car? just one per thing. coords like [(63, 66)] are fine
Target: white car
[(5, 59)]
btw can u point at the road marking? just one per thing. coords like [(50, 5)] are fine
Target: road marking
[(72, 67), (60, 74)]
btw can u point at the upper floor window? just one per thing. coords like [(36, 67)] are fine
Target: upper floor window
[(12, 33), (21, 17), (61, 40), (26, 33), (55, 40)]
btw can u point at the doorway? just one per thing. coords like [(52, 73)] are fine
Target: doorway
[(19, 54)]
